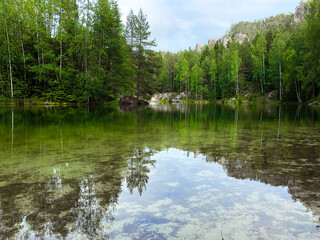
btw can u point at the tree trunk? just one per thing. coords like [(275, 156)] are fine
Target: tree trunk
[(280, 81), (238, 83), (313, 89), (24, 61), (9, 58), (60, 71), (264, 68), (131, 62), (196, 89), (297, 91), (86, 50), (138, 82), (44, 73), (215, 90), (22, 46), (100, 47)]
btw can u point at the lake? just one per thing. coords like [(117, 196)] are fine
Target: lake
[(160, 172)]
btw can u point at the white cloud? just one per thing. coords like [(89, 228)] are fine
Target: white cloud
[(178, 24)]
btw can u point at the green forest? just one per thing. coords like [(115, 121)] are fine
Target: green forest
[(79, 51)]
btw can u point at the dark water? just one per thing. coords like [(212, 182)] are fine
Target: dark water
[(161, 172)]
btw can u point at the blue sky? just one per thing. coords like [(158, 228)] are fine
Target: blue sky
[(180, 24)]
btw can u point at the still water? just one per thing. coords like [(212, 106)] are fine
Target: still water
[(160, 172)]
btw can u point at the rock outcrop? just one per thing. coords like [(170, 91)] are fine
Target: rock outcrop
[(168, 97), (224, 41), (128, 100), (301, 12), (212, 42), (246, 31), (241, 37), (198, 47)]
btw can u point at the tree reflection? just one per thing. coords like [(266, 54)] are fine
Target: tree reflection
[(138, 169), (70, 185)]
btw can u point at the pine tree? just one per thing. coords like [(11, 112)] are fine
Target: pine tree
[(142, 52)]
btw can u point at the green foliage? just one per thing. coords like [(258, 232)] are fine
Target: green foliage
[(252, 97), (196, 79), (276, 65), (278, 55), (67, 51), (70, 51), (258, 55)]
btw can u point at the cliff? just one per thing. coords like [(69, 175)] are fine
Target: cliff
[(246, 31)]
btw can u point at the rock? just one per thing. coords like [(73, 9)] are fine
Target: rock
[(224, 41), (198, 47), (212, 42), (272, 96), (314, 104), (301, 12), (241, 37), (168, 97), (128, 100)]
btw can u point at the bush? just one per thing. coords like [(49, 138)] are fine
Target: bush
[(240, 99), (252, 98)]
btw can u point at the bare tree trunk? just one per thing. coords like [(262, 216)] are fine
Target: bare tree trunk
[(12, 132), (196, 90), (313, 89), (38, 50), (237, 69), (100, 46), (237, 85), (24, 60), (86, 51), (44, 73), (9, 58), (280, 82), (131, 62), (22, 46), (264, 68), (60, 72), (138, 82), (37, 30)]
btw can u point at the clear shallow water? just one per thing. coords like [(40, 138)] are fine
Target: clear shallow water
[(167, 172)]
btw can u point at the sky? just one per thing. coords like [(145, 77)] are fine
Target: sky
[(179, 24)]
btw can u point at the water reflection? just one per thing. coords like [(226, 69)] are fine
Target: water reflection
[(63, 170)]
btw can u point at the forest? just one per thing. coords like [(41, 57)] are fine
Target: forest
[(79, 51)]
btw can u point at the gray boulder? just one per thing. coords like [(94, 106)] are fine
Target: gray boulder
[(272, 96)]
